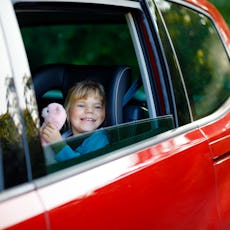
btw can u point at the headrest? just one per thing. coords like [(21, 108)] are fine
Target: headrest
[(115, 79)]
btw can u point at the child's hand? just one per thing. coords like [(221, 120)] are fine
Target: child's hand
[(50, 133)]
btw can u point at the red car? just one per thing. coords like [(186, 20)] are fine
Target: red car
[(165, 67)]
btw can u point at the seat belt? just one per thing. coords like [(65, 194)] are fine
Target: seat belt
[(131, 91)]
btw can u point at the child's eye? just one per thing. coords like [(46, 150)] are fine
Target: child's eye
[(98, 107), (80, 105)]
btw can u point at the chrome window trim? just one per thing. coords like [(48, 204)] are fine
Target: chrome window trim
[(16, 191), (125, 3), (142, 66)]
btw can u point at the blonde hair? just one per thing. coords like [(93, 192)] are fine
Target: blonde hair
[(81, 91)]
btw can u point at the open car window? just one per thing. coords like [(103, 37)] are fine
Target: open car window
[(74, 42), (79, 37)]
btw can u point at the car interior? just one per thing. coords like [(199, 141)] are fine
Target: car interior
[(115, 79), (59, 73)]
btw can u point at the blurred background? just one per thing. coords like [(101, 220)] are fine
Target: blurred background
[(224, 7)]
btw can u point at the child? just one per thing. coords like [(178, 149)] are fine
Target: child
[(85, 112)]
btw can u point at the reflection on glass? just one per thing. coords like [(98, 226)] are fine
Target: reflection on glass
[(202, 57), (14, 170), (31, 119), (119, 137), (30, 100), (183, 110)]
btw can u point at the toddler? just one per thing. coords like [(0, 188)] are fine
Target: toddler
[(85, 109)]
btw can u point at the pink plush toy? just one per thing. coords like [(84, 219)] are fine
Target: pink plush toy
[(55, 114)]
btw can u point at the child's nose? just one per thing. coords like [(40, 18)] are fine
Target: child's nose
[(89, 109)]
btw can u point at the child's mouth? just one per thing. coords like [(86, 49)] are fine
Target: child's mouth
[(88, 119)]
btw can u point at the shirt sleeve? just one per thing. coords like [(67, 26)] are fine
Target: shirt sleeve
[(66, 153), (94, 142)]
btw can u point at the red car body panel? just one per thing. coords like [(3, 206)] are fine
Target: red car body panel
[(173, 179), (218, 134), (23, 212), (223, 188)]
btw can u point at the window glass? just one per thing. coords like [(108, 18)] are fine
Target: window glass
[(118, 137), (11, 141), (93, 41), (31, 121), (202, 57), (91, 44), (21, 155)]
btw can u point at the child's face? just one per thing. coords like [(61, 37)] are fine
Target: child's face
[(86, 114)]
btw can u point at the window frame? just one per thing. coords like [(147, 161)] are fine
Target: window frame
[(140, 52), (141, 55), (156, 50)]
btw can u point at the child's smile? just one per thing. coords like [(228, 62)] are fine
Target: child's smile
[(87, 114)]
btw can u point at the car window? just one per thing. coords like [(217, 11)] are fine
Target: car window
[(202, 57), (79, 39), (97, 40)]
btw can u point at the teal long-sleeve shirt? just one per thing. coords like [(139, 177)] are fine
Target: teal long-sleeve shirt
[(94, 142)]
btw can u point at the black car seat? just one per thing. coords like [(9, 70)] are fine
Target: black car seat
[(115, 79)]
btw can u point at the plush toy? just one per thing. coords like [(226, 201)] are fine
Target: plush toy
[(55, 114)]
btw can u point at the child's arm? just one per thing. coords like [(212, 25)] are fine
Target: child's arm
[(94, 142), (66, 153)]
